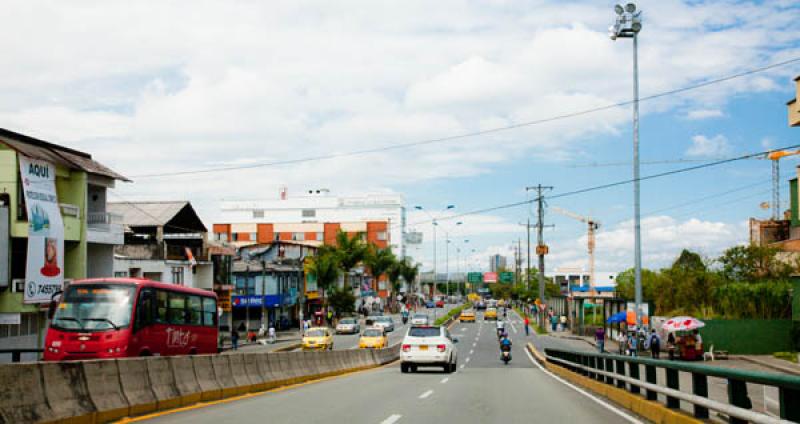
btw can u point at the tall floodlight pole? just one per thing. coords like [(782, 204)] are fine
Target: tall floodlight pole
[(434, 224), (628, 24)]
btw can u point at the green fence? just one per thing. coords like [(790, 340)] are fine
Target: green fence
[(748, 336)]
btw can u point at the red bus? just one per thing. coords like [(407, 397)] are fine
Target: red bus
[(117, 317)]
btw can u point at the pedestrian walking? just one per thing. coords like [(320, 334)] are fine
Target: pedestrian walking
[(235, 338), (633, 341), (527, 322), (600, 337), (654, 342), (553, 322), (622, 341), (271, 332)]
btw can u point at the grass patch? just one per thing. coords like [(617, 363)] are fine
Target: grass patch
[(533, 324), (786, 356), (450, 314)]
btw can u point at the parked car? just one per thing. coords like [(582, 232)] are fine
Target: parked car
[(428, 346)]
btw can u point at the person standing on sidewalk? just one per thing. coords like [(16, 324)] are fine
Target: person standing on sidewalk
[(655, 344), (600, 337), (622, 341), (527, 322), (234, 338)]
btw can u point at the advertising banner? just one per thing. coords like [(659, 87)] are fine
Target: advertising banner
[(489, 277), (44, 272)]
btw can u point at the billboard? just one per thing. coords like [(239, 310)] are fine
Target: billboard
[(413, 237), (489, 277), (44, 269)]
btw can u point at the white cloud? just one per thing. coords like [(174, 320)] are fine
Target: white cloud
[(663, 237), (704, 147), (699, 114)]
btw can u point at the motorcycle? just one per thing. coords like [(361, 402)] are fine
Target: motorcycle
[(505, 356)]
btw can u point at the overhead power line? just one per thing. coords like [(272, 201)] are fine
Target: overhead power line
[(474, 133), (608, 185)]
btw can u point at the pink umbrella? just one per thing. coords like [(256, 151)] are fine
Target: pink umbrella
[(682, 324)]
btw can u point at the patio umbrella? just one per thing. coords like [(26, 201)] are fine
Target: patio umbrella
[(682, 323), (617, 318)]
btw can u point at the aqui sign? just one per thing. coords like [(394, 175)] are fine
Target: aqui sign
[(44, 268)]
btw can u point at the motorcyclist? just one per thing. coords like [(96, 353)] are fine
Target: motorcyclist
[(501, 326), (505, 346)]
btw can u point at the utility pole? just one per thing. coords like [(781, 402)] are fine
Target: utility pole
[(541, 248), (528, 227)]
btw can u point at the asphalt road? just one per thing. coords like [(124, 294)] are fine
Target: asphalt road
[(483, 390)]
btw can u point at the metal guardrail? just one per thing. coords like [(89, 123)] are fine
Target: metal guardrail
[(16, 354), (618, 370)]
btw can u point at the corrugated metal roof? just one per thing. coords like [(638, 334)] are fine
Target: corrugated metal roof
[(40, 149), (146, 214)]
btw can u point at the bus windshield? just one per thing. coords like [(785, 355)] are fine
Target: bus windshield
[(95, 307)]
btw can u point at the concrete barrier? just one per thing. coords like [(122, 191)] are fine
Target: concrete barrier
[(287, 362), (296, 366), (24, 401), (105, 390), (162, 380), (202, 369), (66, 392), (266, 363), (136, 386), (223, 372), (317, 363), (186, 379), (250, 366)]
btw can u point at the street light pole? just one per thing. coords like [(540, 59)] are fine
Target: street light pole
[(628, 25)]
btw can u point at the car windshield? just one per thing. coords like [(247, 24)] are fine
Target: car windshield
[(316, 333), (383, 319), (491, 310), (420, 316), (373, 333), (424, 332), (95, 307), (347, 321)]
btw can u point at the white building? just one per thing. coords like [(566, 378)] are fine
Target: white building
[(314, 215), (568, 278)]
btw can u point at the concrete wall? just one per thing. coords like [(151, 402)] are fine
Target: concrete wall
[(748, 336), (100, 260), (102, 391)]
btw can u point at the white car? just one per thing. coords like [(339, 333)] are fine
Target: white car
[(383, 321), (428, 346), (348, 326), (420, 319)]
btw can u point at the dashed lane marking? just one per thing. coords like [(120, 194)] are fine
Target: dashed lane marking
[(392, 419), (445, 380), (471, 351), (426, 394), (467, 361), (462, 366)]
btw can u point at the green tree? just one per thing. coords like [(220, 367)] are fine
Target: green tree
[(350, 251), (752, 263), (409, 273), (324, 266), (378, 260), (625, 284), (394, 274), (342, 301)]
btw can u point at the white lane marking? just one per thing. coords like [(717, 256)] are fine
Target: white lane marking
[(462, 366), (467, 361), (392, 419), (474, 344), (513, 328), (471, 351), (426, 394), (445, 380), (599, 401)]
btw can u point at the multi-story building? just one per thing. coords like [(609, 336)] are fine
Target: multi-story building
[(164, 241), (90, 231), (577, 280), (497, 263), (316, 216), (793, 106)]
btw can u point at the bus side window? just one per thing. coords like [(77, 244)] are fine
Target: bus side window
[(209, 312), (176, 313), (195, 310), (145, 308), (161, 307)]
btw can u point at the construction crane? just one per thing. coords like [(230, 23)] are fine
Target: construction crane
[(592, 227), (775, 156)]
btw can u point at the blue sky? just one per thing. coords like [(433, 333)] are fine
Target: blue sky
[(159, 87)]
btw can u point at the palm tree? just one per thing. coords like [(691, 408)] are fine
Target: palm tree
[(394, 273), (409, 273), (324, 266), (350, 251), (379, 261)]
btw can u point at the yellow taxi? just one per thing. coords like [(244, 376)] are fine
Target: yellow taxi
[(467, 315), (373, 338), (491, 313), (318, 338), (501, 303)]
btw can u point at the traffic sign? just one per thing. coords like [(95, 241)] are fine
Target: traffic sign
[(506, 277), (475, 277)]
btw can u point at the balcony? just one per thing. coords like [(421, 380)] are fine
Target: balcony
[(104, 228), (161, 251), (179, 253)]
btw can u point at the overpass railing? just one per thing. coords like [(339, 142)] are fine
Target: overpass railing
[(624, 373)]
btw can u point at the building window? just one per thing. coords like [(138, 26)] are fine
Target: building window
[(253, 236), (177, 275), (277, 236), (381, 235), (235, 236), (309, 213), (298, 236), (120, 274), (221, 236), (320, 236), (258, 213)]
